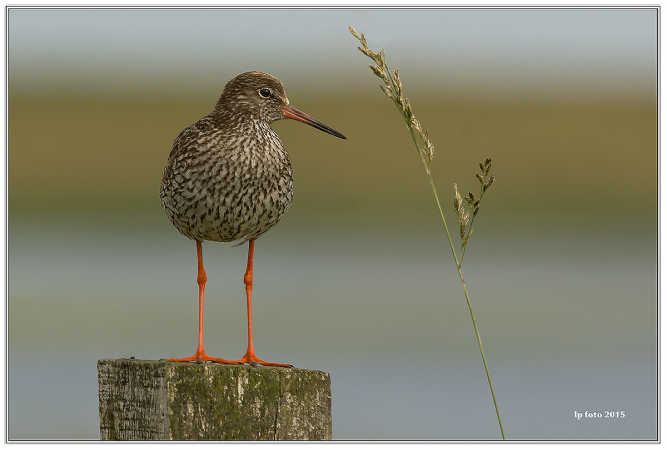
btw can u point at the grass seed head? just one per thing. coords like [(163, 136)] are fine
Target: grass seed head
[(393, 88), (386, 91), (461, 213), (378, 72)]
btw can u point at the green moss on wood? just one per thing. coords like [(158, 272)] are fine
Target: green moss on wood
[(215, 401)]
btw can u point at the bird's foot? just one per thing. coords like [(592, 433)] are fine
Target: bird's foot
[(251, 359), (201, 356)]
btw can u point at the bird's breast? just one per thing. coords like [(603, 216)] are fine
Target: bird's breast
[(235, 188)]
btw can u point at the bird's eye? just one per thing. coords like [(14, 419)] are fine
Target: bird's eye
[(265, 92)]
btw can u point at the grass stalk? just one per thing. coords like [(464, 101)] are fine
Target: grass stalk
[(393, 89)]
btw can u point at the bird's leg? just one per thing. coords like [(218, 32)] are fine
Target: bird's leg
[(200, 354), (250, 356)]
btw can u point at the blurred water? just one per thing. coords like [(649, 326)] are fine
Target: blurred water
[(569, 324)]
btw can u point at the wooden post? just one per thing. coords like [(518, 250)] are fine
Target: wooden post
[(159, 400)]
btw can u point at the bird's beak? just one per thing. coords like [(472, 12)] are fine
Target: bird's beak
[(290, 112)]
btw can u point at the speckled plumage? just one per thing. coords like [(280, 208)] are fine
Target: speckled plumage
[(229, 177)]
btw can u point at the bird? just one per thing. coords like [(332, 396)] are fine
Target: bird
[(228, 178)]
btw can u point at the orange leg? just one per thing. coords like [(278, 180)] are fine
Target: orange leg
[(200, 354), (250, 356)]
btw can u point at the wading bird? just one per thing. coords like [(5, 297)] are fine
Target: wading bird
[(229, 179)]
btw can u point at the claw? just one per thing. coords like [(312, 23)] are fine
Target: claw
[(254, 361), (202, 357)]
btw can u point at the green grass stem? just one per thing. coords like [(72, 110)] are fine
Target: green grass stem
[(393, 89)]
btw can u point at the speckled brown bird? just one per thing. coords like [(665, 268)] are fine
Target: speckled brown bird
[(229, 178)]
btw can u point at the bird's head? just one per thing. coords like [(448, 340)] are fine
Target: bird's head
[(260, 96)]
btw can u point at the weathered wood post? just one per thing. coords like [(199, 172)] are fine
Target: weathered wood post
[(159, 400)]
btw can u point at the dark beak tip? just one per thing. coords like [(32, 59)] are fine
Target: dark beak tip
[(290, 112)]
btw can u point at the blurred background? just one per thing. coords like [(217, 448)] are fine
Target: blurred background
[(357, 279)]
